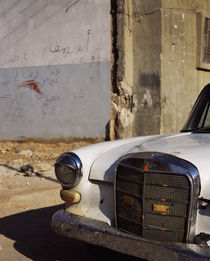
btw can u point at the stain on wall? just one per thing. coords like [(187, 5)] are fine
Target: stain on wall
[(31, 84)]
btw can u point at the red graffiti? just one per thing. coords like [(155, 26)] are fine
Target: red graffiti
[(33, 85)]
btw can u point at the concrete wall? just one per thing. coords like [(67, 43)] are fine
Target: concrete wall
[(136, 96), (181, 77), (54, 68), (160, 69), (147, 67)]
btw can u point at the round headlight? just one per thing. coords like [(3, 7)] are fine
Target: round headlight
[(68, 169)]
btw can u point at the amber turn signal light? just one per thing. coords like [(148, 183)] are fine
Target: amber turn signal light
[(70, 196)]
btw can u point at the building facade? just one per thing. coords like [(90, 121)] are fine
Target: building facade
[(162, 64), (90, 68)]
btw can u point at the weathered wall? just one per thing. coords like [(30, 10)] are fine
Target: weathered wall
[(159, 75), (181, 79), (54, 68), (122, 116), (147, 64), (136, 99)]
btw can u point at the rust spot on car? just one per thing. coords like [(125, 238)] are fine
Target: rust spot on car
[(175, 153)]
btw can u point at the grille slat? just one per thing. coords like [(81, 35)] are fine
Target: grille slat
[(167, 193), (161, 229), (130, 180), (158, 185), (173, 236), (167, 200), (129, 193), (130, 220), (169, 222), (141, 196), (164, 214)]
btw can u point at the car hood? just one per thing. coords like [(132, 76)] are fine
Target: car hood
[(192, 147)]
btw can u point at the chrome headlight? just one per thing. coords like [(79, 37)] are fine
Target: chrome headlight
[(68, 169)]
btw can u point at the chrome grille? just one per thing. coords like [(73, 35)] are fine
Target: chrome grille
[(141, 195)]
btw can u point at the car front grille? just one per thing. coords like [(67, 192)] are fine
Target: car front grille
[(153, 202)]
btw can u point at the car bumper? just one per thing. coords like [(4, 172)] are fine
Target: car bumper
[(102, 234)]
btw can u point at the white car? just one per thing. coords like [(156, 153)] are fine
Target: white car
[(147, 197)]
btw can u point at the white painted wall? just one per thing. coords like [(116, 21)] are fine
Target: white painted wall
[(54, 68), (53, 32)]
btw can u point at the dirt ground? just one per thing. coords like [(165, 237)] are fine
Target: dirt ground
[(21, 188), (11, 151)]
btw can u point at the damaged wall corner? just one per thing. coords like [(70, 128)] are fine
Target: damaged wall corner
[(123, 97), (158, 67), (136, 67)]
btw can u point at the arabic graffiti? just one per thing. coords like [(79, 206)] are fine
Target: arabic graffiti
[(10, 59), (45, 94), (79, 49), (74, 49)]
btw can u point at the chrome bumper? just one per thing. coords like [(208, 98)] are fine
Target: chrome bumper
[(101, 234)]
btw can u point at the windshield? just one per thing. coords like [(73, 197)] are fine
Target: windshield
[(199, 118)]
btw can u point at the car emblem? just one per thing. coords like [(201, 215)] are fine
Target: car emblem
[(163, 209)]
